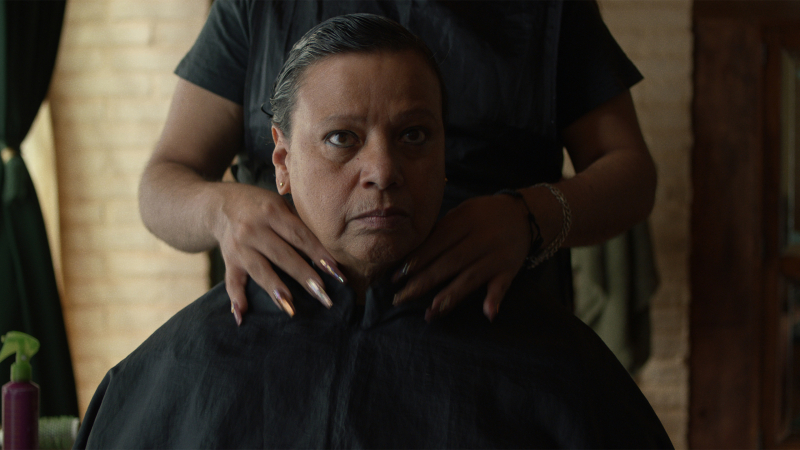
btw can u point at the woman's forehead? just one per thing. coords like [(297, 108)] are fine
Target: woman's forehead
[(361, 84)]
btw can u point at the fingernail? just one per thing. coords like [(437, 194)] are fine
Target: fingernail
[(401, 273), (491, 312), (400, 297), (285, 305), (444, 304), (319, 293), (330, 268), (236, 313)]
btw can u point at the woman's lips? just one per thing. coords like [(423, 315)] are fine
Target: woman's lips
[(383, 218)]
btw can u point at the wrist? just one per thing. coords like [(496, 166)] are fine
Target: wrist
[(536, 240)]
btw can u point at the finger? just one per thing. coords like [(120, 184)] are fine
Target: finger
[(452, 294), (449, 264), (468, 281), (293, 231), (261, 272), (442, 238), (286, 257), (495, 293), (235, 280)]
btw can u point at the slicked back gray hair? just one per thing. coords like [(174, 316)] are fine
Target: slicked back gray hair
[(351, 33)]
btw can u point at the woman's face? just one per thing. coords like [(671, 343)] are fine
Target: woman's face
[(365, 161)]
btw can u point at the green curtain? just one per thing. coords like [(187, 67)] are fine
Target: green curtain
[(614, 283), (29, 300)]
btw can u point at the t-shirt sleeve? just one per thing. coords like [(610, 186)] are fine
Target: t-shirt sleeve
[(218, 59), (592, 68)]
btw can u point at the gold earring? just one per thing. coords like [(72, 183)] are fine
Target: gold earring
[(281, 184)]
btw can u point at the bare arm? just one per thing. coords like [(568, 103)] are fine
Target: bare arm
[(201, 136), (183, 202), (484, 241), (615, 181)]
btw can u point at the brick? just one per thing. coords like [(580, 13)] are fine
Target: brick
[(626, 17), (81, 160), (663, 372), (108, 34), (84, 10), (140, 110), (179, 34), (666, 69), (136, 320), (669, 347), (130, 161), (169, 291), (76, 60), (80, 111), (102, 186), (106, 135), (654, 44), (81, 265), (669, 320), (668, 397), (151, 263), (164, 84), (109, 239), (91, 371), (90, 320), (148, 59), (108, 346), (94, 86), (123, 212), (83, 213), (158, 9), (665, 91)]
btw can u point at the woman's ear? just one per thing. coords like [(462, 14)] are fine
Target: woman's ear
[(280, 158)]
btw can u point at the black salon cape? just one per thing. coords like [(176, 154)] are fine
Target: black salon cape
[(376, 376)]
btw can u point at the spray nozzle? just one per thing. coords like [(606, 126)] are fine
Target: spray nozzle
[(25, 346)]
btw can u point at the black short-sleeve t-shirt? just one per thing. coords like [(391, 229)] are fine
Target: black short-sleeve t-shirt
[(515, 72)]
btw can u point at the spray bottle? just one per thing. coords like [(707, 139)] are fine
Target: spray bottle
[(21, 395)]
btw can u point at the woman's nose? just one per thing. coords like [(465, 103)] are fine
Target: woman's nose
[(380, 165)]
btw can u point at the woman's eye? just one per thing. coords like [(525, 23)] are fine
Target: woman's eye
[(341, 139), (414, 136)]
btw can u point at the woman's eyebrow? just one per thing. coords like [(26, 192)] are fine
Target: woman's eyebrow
[(338, 118), (417, 113)]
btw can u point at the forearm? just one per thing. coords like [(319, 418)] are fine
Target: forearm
[(608, 197), (615, 181), (177, 204)]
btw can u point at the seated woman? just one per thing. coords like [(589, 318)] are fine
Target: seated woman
[(360, 148)]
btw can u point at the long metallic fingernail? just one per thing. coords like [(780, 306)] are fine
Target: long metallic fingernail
[(401, 273), (285, 305), (444, 304), (400, 297), (319, 292), (329, 267), (236, 313)]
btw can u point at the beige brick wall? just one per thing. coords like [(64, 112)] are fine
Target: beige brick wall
[(656, 35), (109, 98)]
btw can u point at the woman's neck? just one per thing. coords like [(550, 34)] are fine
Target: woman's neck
[(361, 280)]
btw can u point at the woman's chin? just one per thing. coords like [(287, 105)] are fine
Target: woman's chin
[(373, 260)]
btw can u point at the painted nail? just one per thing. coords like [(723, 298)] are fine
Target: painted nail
[(444, 304), (330, 268), (401, 273), (236, 314), (284, 304), (319, 293), (400, 297)]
